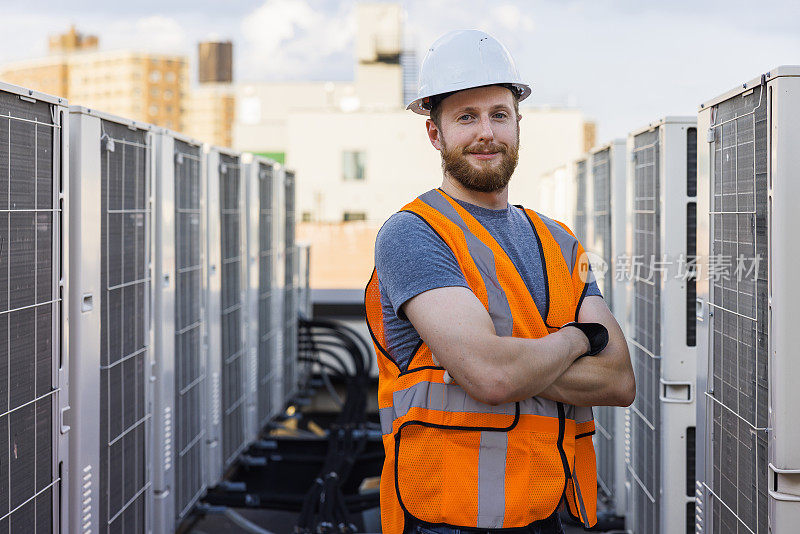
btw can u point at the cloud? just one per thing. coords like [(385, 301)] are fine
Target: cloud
[(153, 33), (291, 39)]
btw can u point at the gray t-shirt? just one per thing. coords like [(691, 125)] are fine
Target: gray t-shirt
[(411, 259)]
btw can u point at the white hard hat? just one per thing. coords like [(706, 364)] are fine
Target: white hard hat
[(463, 59)]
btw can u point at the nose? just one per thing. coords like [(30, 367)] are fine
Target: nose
[(486, 133)]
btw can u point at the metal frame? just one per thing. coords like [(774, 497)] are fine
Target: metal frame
[(85, 320), (59, 396), (676, 387), (167, 514), (779, 475)]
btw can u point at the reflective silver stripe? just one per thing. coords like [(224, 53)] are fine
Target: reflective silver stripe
[(491, 479), (444, 397), (453, 398), (584, 515), (482, 255), (583, 414), (566, 242), (387, 418), (538, 406)]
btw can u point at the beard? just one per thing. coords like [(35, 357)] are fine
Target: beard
[(488, 177)]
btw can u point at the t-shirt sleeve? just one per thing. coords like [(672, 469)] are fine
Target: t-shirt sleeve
[(411, 258)]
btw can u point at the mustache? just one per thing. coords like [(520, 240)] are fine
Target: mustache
[(485, 149)]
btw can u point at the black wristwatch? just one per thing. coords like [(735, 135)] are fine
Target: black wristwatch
[(596, 333)]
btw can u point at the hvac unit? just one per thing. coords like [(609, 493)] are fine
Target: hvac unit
[(34, 145), (606, 242), (748, 458), (226, 367), (662, 204), (290, 368), (178, 329), (110, 329), (582, 211), (304, 306), (261, 175), (278, 398)]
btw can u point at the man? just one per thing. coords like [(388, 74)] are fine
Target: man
[(481, 312)]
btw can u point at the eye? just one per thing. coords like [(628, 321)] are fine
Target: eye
[(501, 115), (465, 117)]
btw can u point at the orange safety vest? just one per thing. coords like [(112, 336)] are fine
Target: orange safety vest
[(452, 460)]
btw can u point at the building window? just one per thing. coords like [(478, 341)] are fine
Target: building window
[(153, 110), (155, 76), (353, 165), (170, 76), (306, 216), (354, 216)]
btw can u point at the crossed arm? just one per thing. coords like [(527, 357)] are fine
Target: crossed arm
[(495, 370)]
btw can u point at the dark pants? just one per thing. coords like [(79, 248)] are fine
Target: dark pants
[(550, 525)]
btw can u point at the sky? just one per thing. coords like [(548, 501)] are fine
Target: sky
[(624, 63)]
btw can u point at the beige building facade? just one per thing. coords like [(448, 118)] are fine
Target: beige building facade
[(145, 87), (209, 112)]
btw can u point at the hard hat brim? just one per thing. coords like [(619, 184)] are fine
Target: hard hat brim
[(417, 105)]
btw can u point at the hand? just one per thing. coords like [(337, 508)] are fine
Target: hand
[(596, 334), (447, 378)]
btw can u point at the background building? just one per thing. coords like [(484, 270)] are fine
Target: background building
[(215, 62), (146, 87)]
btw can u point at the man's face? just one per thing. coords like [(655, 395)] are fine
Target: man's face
[(479, 137)]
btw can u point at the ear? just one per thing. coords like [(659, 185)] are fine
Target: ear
[(434, 134)]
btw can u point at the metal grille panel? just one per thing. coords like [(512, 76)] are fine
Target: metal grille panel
[(266, 333), (581, 202), (739, 338), (604, 415), (29, 308), (290, 294), (233, 391), (601, 178), (189, 371), (646, 336), (124, 412)]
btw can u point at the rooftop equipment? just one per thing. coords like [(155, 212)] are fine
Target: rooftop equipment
[(34, 145), (111, 166), (662, 206), (748, 459)]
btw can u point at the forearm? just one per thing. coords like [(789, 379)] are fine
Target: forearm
[(522, 368), (602, 380)]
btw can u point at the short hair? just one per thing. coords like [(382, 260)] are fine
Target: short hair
[(436, 100)]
